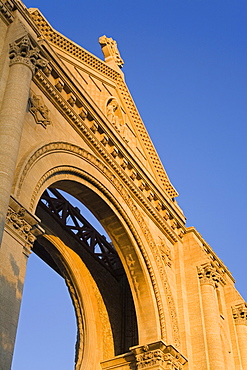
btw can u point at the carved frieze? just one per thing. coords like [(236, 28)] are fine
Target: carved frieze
[(39, 110), (23, 51), (240, 313), (208, 274), (23, 224), (158, 355)]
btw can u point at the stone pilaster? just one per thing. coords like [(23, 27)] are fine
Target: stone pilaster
[(209, 279), (25, 60), (240, 318), (21, 230), (158, 356)]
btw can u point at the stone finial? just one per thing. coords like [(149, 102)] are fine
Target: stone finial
[(24, 52), (158, 355), (208, 275), (239, 313), (110, 51)]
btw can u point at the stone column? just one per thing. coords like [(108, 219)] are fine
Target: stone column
[(209, 278), (25, 59), (240, 318), (158, 356), (21, 230)]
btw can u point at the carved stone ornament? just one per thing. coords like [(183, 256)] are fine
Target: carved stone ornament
[(165, 253), (240, 314), (23, 224), (110, 50), (39, 110), (23, 51), (158, 355), (209, 275), (6, 9)]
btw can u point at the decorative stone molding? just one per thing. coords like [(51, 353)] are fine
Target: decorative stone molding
[(158, 355), (39, 110), (23, 224), (239, 313), (6, 9), (209, 275), (110, 50), (165, 253), (23, 51)]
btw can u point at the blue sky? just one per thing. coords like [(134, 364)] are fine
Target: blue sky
[(185, 65)]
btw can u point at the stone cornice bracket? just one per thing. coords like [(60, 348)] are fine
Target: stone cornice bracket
[(208, 275), (110, 51), (159, 356), (6, 9), (24, 51), (23, 225), (239, 313)]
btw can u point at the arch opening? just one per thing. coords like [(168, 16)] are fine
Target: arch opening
[(113, 286), (47, 329)]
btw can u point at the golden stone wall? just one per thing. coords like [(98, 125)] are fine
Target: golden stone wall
[(67, 120)]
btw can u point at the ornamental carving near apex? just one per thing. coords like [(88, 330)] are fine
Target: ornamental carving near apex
[(110, 50), (24, 52)]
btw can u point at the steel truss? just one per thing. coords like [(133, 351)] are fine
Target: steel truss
[(70, 218)]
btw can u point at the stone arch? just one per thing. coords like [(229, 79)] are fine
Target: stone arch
[(85, 174)]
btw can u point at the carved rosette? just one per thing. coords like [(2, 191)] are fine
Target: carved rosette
[(159, 355), (239, 313), (209, 275), (23, 51), (23, 224)]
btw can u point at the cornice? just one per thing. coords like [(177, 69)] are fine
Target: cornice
[(6, 10), (215, 260)]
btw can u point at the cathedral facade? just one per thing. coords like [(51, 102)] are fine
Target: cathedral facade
[(68, 122)]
